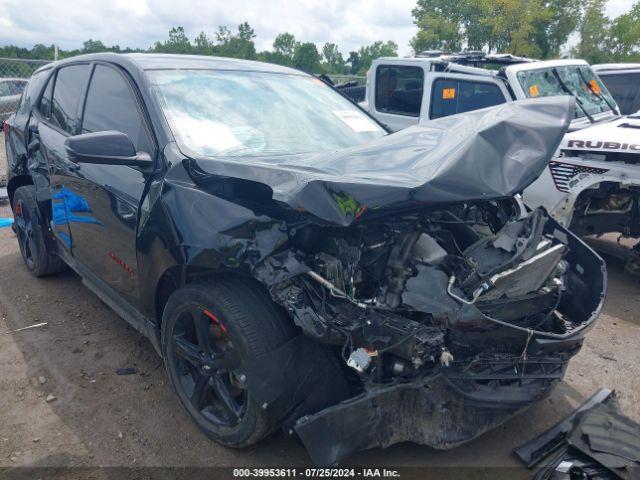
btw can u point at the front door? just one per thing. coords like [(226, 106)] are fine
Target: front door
[(104, 228)]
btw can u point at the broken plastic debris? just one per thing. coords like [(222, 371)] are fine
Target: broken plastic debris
[(6, 222)]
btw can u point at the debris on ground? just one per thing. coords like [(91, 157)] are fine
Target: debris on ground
[(596, 441), (28, 327), (42, 380), (50, 398), (126, 371)]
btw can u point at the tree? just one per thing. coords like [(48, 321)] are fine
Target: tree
[(563, 18), (236, 46), (93, 46), (523, 27), (354, 62), (306, 57), (369, 53), (202, 45), (284, 47), (624, 36), (177, 42), (593, 29), (333, 58)]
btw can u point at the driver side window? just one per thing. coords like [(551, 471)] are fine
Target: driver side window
[(112, 105)]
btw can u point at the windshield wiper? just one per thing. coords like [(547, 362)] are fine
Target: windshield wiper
[(599, 95), (568, 90)]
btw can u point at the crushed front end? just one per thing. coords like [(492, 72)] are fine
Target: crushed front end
[(445, 322)]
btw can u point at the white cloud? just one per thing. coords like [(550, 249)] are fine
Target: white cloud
[(138, 23)]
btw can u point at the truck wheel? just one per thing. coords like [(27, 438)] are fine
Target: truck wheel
[(208, 330), (31, 231)]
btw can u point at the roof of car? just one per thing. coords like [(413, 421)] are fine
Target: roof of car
[(603, 67), (162, 61)]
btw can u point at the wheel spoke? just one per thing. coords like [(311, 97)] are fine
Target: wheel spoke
[(230, 404), (20, 222), (187, 350), (201, 324), (200, 394)]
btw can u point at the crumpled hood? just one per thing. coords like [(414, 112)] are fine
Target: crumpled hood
[(620, 135), (481, 155)]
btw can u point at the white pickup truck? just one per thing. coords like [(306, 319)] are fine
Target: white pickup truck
[(593, 182)]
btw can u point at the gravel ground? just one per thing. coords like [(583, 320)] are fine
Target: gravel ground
[(99, 419)]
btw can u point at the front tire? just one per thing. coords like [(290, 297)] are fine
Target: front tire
[(208, 330), (31, 230)]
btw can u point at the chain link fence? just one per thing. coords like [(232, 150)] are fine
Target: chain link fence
[(14, 73)]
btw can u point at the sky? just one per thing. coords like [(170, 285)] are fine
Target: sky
[(138, 23)]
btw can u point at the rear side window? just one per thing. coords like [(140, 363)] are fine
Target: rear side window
[(624, 88), (399, 89), (44, 107), (451, 96), (112, 105), (32, 90), (68, 92)]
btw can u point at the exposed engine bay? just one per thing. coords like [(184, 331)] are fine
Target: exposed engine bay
[(481, 303), (406, 296)]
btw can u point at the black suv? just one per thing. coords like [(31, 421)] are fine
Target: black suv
[(292, 263)]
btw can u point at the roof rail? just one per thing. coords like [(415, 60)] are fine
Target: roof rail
[(474, 58)]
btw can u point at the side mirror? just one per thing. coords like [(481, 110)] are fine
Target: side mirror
[(107, 148)]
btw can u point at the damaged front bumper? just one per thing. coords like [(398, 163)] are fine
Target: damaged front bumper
[(429, 412), (441, 411)]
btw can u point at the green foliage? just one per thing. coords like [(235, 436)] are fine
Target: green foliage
[(522, 27), (361, 60), (333, 59), (176, 43), (306, 57), (593, 29), (623, 42), (284, 47), (236, 46)]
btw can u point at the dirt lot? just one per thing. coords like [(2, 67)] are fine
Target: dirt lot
[(100, 419)]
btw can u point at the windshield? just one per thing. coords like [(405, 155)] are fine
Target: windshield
[(239, 113), (592, 97)]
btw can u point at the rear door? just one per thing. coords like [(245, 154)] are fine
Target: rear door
[(448, 94), (58, 118)]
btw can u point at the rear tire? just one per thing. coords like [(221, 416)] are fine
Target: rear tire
[(31, 230), (239, 320)]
